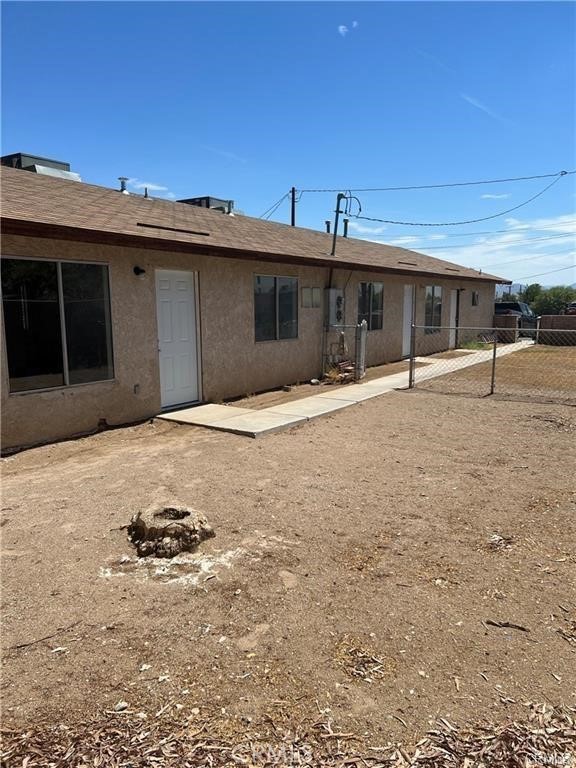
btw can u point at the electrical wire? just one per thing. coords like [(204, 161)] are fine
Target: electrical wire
[(497, 245), (495, 231), (274, 207), (540, 274), (440, 186), (529, 258), (469, 221)]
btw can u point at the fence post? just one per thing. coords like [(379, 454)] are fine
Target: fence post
[(360, 351), (412, 367), (494, 348)]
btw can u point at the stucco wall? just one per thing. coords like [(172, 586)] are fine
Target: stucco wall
[(385, 345), (232, 363)]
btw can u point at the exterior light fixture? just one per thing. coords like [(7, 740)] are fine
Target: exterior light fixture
[(139, 271)]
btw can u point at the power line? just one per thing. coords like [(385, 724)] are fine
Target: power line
[(492, 231), (529, 258), (272, 208), (470, 221), (440, 186), (540, 274), (497, 245)]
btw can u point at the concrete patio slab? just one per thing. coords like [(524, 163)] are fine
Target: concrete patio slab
[(203, 415), (255, 423), (310, 407)]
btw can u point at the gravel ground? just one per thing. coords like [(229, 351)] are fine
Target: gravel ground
[(411, 557)]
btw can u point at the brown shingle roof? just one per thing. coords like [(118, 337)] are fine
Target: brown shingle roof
[(49, 207)]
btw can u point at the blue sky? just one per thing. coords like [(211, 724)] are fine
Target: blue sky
[(245, 100)]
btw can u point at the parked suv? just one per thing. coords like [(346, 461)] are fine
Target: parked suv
[(527, 317), (570, 308)]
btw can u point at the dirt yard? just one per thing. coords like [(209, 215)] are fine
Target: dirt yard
[(540, 372), (297, 391), (411, 557)]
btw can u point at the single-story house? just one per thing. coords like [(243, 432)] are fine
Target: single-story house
[(117, 306)]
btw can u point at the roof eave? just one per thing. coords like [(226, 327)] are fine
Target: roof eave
[(13, 226)]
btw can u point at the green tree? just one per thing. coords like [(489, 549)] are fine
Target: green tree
[(552, 301), (531, 293)]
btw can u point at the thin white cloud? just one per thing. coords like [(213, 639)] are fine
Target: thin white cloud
[(527, 247), (563, 224), (364, 230), (354, 24), (226, 153), (141, 185), (438, 62), (494, 197), (343, 30), (482, 107), (408, 240)]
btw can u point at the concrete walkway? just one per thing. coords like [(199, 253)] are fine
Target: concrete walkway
[(252, 423)]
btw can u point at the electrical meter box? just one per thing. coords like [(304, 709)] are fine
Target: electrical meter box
[(335, 306)]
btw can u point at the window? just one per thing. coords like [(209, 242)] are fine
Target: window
[(371, 304), (275, 308), (311, 298), (57, 323), (475, 298), (433, 310)]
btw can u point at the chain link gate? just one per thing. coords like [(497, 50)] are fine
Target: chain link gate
[(345, 351)]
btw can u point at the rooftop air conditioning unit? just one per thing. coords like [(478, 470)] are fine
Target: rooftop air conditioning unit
[(214, 203)]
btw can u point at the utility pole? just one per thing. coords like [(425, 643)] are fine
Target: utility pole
[(293, 207), (339, 197)]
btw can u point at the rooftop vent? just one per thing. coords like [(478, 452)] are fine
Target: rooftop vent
[(214, 203), (42, 165)]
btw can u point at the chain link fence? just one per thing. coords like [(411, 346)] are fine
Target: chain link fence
[(344, 357), (533, 364)]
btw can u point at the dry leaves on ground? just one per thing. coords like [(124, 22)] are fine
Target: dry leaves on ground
[(546, 737)]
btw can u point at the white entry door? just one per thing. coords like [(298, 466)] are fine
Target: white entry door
[(453, 318), (407, 319), (177, 337)]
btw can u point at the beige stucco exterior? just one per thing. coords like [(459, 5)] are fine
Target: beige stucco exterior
[(232, 363), (385, 345)]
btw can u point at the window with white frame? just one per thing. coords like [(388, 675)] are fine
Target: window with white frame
[(371, 304), (56, 322), (433, 309), (275, 308)]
